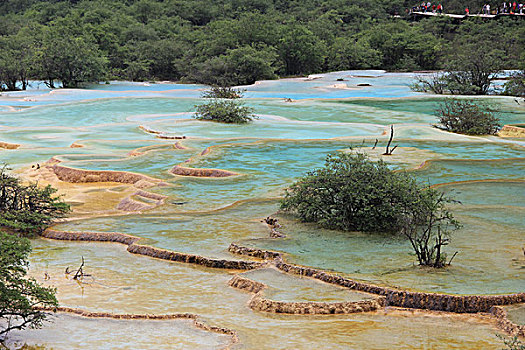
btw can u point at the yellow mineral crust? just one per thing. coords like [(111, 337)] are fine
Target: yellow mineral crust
[(6, 145), (94, 193), (512, 131)]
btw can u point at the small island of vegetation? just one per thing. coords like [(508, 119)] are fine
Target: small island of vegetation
[(353, 193), (466, 116), (225, 107)]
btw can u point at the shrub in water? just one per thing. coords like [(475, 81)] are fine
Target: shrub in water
[(467, 117)]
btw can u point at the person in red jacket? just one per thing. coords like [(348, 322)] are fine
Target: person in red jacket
[(466, 11)]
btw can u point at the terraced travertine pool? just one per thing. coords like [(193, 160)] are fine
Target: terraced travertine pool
[(146, 129)]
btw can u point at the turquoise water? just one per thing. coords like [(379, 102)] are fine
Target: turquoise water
[(208, 234), (509, 111), (489, 258), (289, 288), (516, 314), (157, 164), (443, 171), (117, 127)]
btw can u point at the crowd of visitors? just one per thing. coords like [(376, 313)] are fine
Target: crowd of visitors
[(428, 7), (512, 8)]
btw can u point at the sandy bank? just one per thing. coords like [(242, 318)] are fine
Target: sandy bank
[(512, 131)]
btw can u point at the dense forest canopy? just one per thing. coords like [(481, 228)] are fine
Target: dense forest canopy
[(233, 42)]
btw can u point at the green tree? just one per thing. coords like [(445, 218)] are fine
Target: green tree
[(16, 60), (465, 116), (249, 64), (427, 225), (434, 83), (145, 10), (20, 296), (69, 59), (471, 69), (27, 209), (352, 193), (404, 47), (9, 64), (162, 54), (253, 28), (300, 50), (347, 53)]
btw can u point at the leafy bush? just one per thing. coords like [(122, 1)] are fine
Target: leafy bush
[(224, 108), (467, 117), (19, 296), (352, 193), (27, 209), (464, 75), (223, 92), (224, 111)]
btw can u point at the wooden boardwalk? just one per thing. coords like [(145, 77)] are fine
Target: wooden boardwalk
[(451, 15)]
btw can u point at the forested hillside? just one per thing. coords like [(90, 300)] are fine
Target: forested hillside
[(232, 42)]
